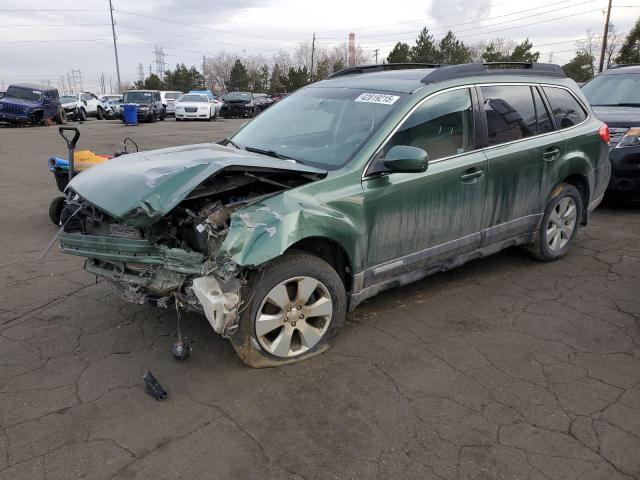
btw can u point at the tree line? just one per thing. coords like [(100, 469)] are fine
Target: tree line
[(286, 72)]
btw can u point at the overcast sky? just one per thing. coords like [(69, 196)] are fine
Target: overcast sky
[(38, 44)]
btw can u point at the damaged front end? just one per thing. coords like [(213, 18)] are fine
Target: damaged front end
[(179, 257)]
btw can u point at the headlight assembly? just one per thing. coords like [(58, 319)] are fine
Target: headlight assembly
[(630, 139)]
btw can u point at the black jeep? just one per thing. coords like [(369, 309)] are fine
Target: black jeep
[(34, 104)]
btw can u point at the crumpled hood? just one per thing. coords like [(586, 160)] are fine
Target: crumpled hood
[(156, 181), (618, 116)]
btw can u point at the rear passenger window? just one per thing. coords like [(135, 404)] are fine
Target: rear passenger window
[(544, 121), (566, 109), (510, 113), (442, 126)]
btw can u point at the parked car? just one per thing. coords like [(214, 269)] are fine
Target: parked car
[(238, 104), (169, 99), (368, 180), (195, 106), (2, 94), (217, 101), (263, 101), (81, 105), (112, 108), (34, 104), (615, 97), (148, 103), (276, 97)]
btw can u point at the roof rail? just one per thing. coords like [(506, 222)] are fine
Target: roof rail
[(622, 65), (359, 69), (494, 68)]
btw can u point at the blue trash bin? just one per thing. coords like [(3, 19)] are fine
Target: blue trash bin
[(130, 113)]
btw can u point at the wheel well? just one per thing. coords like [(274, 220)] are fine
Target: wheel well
[(582, 185), (329, 251)]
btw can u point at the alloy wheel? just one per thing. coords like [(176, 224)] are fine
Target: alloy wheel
[(561, 224), (293, 317)]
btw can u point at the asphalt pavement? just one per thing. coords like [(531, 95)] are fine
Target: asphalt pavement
[(505, 368)]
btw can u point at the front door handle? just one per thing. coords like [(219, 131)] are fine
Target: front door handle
[(471, 175), (551, 154)]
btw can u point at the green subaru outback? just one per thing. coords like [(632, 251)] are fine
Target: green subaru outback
[(373, 178)]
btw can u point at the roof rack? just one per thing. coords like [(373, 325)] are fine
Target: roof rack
[(359, 69), (622, 65), (494, 68)]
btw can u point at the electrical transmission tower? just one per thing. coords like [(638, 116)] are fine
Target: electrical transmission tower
[(74, 79), (160, 64), (140, 73)]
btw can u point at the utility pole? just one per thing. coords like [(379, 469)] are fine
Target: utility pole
[(604, 37), (115, 46), (140, 73), (550, 57), (376, 54), (313, 54)]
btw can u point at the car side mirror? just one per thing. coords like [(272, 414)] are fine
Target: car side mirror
[(84, 101), (403, 158)]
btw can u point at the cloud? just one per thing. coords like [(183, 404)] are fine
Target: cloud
[(465, 11)]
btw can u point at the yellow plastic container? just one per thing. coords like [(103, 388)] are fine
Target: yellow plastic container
[(84, 159)]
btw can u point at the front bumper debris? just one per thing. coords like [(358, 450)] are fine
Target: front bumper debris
[(221, 309)]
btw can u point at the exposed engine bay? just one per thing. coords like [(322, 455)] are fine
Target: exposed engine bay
[(177, 258)]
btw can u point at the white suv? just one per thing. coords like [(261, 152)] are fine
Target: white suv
[(82, 105), (169, 99)]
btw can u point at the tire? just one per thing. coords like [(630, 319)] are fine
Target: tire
[(267, 346), (163, 115), (564, 210), (82, 115), (99, 113), (55, 210), (61, 116)]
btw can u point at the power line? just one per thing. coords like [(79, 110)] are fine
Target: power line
[(58, 41), (66, 25), (445, 27), (200, 26), (49, 10)]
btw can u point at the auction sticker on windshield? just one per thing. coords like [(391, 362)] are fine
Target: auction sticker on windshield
[(377, 98)]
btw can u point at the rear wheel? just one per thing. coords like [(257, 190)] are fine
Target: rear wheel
[(296, 306), (559, 225), (163, 115)]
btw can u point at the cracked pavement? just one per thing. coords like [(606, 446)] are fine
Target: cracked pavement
[(505, 368)]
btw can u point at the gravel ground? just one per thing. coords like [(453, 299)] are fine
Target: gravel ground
[(505, 368)]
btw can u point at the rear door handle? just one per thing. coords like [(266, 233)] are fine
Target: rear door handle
[(471, 175), (551, 154)]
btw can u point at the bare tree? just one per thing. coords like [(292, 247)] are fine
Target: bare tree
[(615, 40), (219, 70)]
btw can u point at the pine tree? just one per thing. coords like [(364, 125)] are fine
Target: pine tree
[(239, 78), (400, 53), (630, 51), (425, 49), (453, 51), (580, 68)]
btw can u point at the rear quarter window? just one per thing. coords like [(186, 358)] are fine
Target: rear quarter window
[(566, 110)]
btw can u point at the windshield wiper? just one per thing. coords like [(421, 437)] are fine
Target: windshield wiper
[(233, 143), (270, 153)]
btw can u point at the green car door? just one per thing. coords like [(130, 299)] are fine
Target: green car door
[(414, 220), (525, 158)]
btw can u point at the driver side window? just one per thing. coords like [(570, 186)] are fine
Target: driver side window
[(442, 126)]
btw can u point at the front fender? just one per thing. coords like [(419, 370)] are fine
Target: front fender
[(265, 230)]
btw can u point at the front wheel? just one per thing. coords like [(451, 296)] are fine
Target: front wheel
[(61, 116), (99, 113), (559, 225), (163, 115), (295, 307)]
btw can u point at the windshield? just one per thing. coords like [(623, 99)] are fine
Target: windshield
[(320, 126), (194, 98), (106, 98), (613, 89), (137, 97), (237, 96), (24, 93), (68, 98), (171, 95)]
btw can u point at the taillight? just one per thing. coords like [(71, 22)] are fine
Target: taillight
[(603, 131)]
